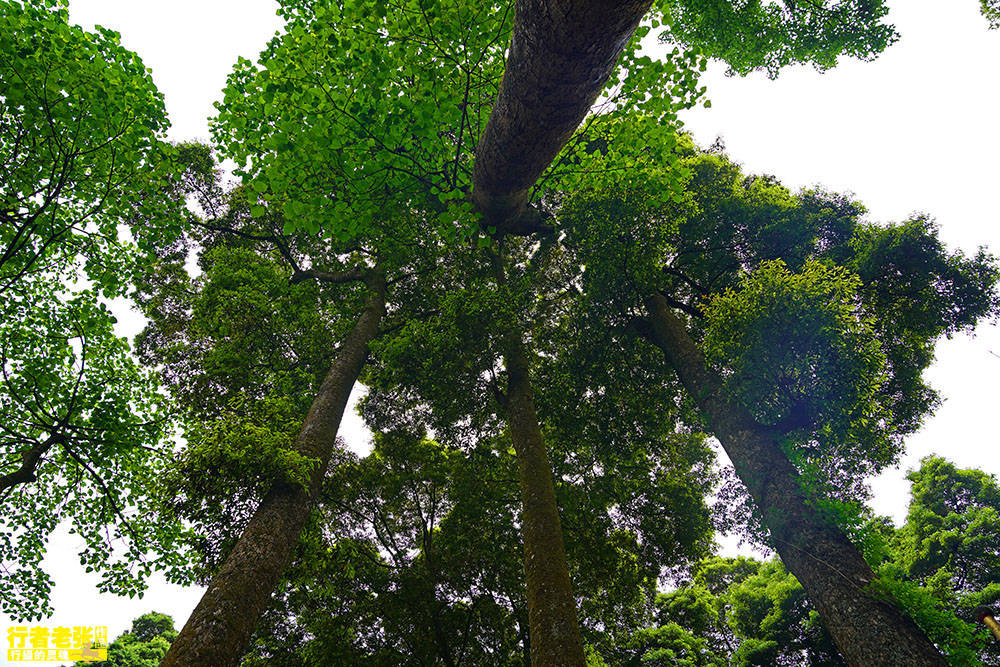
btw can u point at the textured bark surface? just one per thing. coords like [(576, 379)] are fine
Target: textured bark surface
[(829, 567), (554, 631), (222, 624), (561, 55)]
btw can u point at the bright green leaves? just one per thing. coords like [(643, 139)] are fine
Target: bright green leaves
[(246, 446), (938, 567), (355, 112), (953, 524), (734, 611), (231, 460), (750, 36), (80, 143), (72, 392), (83, 426), (954, 637), (793, 347), (632, 132), (144, 645), (770, 609)]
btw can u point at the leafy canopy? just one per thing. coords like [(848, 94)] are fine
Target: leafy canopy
[(83, 430)]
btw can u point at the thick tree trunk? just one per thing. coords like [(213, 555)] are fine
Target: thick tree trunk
[(562, 53), (222, 624), (554, 631), (829, 567)]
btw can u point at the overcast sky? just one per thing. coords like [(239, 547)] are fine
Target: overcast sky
[(914, 131)]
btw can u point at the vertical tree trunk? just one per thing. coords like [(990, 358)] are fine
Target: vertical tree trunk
[(220, 628), (562, 53), (553, 627), (829, 567)]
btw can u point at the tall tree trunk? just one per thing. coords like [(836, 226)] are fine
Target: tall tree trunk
[(220, 628), (553, 628), (562, 53), (830, 568)]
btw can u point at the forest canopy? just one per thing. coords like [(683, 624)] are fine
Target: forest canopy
[(557, 303)]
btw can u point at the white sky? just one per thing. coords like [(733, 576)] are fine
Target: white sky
[(908, 133)]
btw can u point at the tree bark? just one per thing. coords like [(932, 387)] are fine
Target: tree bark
[(221, 626), (561, 54), (554, 632), (827, 564)]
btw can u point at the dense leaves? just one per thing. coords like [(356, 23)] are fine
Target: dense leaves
[(752, 36), (83, 432), (819, 322), (80, 128), (331, 151), (746, 612), (143, 645)]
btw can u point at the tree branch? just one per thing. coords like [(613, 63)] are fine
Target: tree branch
[(29, 462), (339, 277)]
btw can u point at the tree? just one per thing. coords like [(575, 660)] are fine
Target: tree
[(796, 451), (82, 426), (991, 10), (422, 542), (309, 399), (410, 162), (741, 612), (948, 548), (204, 345), (144, 645), (419, 166), (748, 612)]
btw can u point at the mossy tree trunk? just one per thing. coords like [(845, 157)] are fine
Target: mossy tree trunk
[(553, 627), (830, 568), (221, 626)]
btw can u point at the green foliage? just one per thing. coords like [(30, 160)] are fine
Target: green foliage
[(84, 387), (793, 349), (667, 645), (937, 567), (733, 611), (917, 291), (80, 146), (944, 558), (768, 36), (242, 350), (820, 323), (247, 330), (414, 554), (228, 465), (953, 636), (83, 435), (142, 646), (953, 524), (332, 152), (419, 554)]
